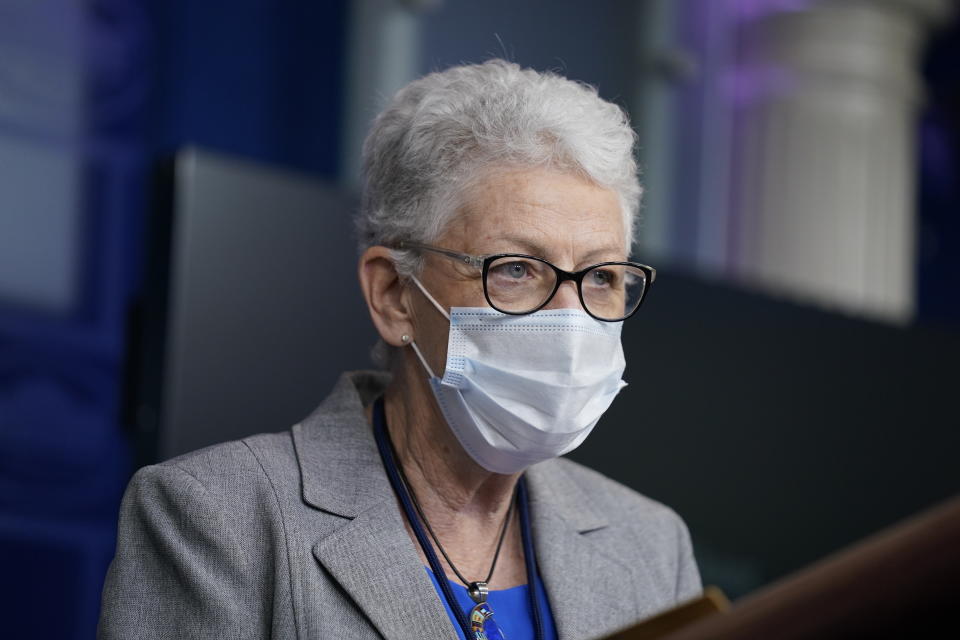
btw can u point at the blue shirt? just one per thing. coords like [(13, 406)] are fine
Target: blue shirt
[(511, 608)]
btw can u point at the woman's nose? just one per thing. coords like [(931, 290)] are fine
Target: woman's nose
[(566, 297)]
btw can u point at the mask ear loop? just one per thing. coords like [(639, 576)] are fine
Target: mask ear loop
[(440, 308), (423, 289), (423, 361)]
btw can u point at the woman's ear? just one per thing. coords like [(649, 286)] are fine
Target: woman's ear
[(383, 291)]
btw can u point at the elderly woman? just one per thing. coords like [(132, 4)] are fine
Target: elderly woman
[(495, 228)]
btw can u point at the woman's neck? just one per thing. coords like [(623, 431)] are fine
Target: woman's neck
[(447, 481), (464, 503)]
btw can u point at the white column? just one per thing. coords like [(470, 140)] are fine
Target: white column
[(663, 64), (383, 54), (824, 153)]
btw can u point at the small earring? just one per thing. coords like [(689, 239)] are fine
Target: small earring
[(404, 338)]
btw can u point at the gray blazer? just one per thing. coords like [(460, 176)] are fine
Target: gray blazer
[(298, 535)]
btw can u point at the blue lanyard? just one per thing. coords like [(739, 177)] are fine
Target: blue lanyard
[(390, 464)]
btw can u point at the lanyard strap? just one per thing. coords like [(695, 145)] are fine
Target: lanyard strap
[(390, 465), (530, 558)]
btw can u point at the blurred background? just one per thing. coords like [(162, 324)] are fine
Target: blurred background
[(176, 265)]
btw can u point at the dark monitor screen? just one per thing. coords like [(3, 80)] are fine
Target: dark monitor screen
[(253, 307)]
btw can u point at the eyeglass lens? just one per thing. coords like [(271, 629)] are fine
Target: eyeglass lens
[(521, 285)]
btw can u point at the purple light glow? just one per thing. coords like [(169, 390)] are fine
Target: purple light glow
[(749, 84), (749, 10)]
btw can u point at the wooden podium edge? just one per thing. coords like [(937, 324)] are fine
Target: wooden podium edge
[(913, 566), (712, 601)]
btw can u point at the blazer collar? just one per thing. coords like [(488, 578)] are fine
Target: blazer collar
[(374, 560), (339, 463), (554, 491), (592, 593)]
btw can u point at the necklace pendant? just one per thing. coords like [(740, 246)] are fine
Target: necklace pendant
[(478, 591), (482, 624)]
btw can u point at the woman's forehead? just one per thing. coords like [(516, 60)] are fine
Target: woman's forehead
[(539, 211)]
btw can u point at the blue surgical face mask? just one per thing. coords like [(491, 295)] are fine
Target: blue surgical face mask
[(517, 390)]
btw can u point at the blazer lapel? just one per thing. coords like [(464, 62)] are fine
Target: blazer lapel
[(370, 555), (591, 593), (373, 559)]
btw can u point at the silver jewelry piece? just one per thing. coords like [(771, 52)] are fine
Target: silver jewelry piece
[(478, 591), (404, 338)]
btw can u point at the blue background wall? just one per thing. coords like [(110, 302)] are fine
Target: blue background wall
[(260, 79)]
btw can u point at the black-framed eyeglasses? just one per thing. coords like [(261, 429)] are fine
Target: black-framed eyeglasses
[(518, 284)]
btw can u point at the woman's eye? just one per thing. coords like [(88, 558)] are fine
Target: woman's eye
[(601, 278), (514, 270)]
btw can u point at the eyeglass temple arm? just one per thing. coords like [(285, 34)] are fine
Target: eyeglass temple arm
[(476, 261)]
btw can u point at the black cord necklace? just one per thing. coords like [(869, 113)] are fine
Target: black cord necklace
[(478, 624)]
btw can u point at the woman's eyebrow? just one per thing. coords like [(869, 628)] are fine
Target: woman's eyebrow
[(534, 248), (526, 245), (603, 254)]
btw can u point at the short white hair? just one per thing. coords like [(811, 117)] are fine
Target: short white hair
[(445, 130)]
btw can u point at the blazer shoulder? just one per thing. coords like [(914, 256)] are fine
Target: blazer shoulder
[(200, 543), (239, 462)]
